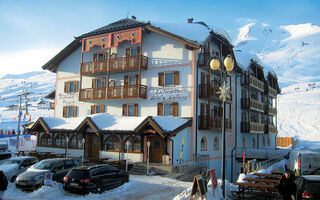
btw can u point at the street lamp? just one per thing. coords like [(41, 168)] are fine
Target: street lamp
[(83, 141), (67, 143), (128, 144), (224, 95), (148, 144)]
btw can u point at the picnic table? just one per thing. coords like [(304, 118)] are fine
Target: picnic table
[(262, 180), (274, 176)]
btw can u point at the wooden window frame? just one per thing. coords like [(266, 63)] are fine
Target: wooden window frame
[(162, 78), (78, 139), (113, 143), (133, 141), (95, 56), (46, 136), (175, 109), (95, 106), (95, 81), (67, 86), (62, 144), (125, 109), (65, 113)]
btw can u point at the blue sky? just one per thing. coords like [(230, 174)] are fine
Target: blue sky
[(33, 31)]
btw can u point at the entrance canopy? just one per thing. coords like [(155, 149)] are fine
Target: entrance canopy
[(106, 123)]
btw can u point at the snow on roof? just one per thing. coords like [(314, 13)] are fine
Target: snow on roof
[(169, 123), (63, 123), (244, 59), (116, 123), (192, 31)]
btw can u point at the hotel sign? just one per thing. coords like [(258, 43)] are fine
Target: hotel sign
[(169, 94), (68, 98)]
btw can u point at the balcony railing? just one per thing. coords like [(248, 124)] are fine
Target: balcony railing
[(271, 91), (114, 92), (214, 123), (270, 110), (208, 91), (271, 129), (203, 59), (252, 127), (249, 103), (253, 82), (115, 64), (128, 63)]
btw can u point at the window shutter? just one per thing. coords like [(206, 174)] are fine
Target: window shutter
[(208, 110), (138, 50), (76, 86), (126, 80), (93, 109), (65, 111), (220, 111), (124, 110), (175, 109), (135, 110), (102, 108), (160, 109), (160, 79), (103, 82), (127, 52), (176, 77), (93, 83), (75, 111), (105, 56), (66, 84)]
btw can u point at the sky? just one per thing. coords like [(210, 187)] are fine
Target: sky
[(33, 31)]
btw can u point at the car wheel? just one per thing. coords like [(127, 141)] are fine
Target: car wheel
[(13, 178), (99, 189)]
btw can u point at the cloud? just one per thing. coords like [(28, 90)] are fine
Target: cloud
[(245, 21), (17, 62)]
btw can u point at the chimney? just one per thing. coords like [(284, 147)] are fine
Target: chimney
[(190, 20), (133, 17)]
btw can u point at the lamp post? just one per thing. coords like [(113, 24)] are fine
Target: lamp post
[(67, 143), (128, 144), (83, 141), (148, 145), (224, 94)]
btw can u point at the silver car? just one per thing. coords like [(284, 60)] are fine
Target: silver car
[(33, 178), (14, 166)]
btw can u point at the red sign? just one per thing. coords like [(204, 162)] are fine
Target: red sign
[(214, 178)]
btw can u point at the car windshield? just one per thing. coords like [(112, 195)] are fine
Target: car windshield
[(8, 162), (45, 164)]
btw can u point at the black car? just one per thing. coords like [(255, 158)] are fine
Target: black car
[(308, 187), (94, 179), (33, 178)]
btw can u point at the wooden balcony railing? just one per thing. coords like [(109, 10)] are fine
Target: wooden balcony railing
[(270, 110), (271, 129), (249, 103), (93, 67), (203, 59), (272, 92), (253, 82), (252, 127), (208, 91), (114, 92), (128, 63), (214, 123)]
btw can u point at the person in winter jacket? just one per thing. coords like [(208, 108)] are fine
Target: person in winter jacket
[(287, 187), (3, 184)]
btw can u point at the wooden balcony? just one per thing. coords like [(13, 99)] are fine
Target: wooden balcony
[(271, 129), (213, 123), (270, 110), (252, 104), (208, 91), (114, 65), (252, 127), (252, 81), (271, 91), (203, 59), (128, 63), (114, 92)]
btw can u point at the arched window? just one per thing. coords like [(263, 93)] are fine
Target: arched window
[(243, 142), (112, 142), (60, 140), (203, 144), (46, 140), (216, 143), (253, 142), (263, 141), (135, 143), (74, 141), (268, 140)]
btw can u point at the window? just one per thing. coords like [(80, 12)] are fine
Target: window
[(111, 143), (74, 141), (70, 111), (60, 140), (168, 109), (46, 140), (168, 78), (268, 140), (71, 86), (203, 144), (216, 143), (132, 80), (132, 51), (135, 144), (130, 110), (98, 108), (253, 142), (99, 83), (263, 141), (102, 56)]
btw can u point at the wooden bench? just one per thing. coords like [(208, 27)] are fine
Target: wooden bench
[(246, 188), (262, 180), (245, 194)]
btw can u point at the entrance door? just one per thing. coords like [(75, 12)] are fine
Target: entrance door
[(92, 145), (156, 149)]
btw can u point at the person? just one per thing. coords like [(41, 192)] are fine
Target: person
[(3, 184), (287, 186)]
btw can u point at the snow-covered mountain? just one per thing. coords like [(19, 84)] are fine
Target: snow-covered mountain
[(292, 52)]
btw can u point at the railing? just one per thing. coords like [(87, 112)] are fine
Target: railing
[(128, 63), (272, 91), (203, 59), (215, 123), (114, 92), (203, 123), (198, 160), (252, 127), (253, 82), (272, 129), (249, 103), (210, 91), (93, 67), (271, 110)]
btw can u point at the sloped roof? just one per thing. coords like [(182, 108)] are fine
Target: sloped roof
[(122, 24)]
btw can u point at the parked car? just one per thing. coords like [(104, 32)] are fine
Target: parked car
[(302, 162), (33, 178), (12, 167), (308, 187), (315, 172), (94, 179)]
